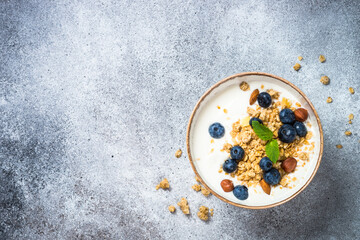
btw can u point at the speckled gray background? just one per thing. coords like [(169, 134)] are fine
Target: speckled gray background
[(95, 97)]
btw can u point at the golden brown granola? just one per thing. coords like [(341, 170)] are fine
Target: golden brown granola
[(164, 184), (196, 187), (178, 153), (348, 133), (351, 90), (205, 192), (329, 100), (300, 58), (197, 179), (183, 204), (172, 208), (339, 146), (244, 86), (211, 211), (203, 213), (297, 67), (351, 116), (322, 58), (249, 171), (325, 80)]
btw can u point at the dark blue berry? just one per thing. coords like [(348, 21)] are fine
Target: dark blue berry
[(241, 192), (230, 165), (216, 130), (255, 119), (264, 100), (237, 153), (287, 116), (287, 133), (300, 129), (265, 164), (272, 176)]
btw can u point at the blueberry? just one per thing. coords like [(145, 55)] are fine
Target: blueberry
[(216, 130), (264, 100), (272, 177), (287, 116), (255, 119), (265, 164), (300, 129), (237, 153), (230, 166), (241, 192), (287, 133)]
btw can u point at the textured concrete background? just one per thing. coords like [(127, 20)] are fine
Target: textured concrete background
[(95, 97)]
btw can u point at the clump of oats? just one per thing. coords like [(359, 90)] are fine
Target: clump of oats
[(329, 100), (300, 58), (164, 184), (196, 187), (211, 211), (339, 146), (244, 86), (351, 116), (297, 67), (183, 204), (325, 80), (203, 213), (351, 90), (197, 179), (348, 133), (205, 192), (178, 153), (172, 208), (322, 58), (274, 94)]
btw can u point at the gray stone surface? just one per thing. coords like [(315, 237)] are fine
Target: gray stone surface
[(95, 97)]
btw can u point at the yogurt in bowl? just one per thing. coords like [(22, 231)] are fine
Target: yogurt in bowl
[(227, 103)]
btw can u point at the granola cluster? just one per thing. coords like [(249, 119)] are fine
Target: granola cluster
[(249, 171)]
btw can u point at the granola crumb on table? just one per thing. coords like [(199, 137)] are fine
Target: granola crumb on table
[(203, 213), (322, 58), (172, 208), (211, 211), (300, 58), (351, 90), (339, 146), (183, 204), (351, 116), (325, 80), (329, 100), (164, 184), (178, 153), (348, 133), (196, 187), (205, 192), (297, 67)]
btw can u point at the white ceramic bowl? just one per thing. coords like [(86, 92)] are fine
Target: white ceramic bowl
[(206, 157)]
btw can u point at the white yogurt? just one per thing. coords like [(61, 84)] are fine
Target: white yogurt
[(207, 156)]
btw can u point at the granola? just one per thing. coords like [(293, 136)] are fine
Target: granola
[(172, 208), (322, 58), (203, 213), (244, 86), (325, 80), (164, 184), (178, 153), (183, 204), (297, 67), (351, 90), (196, 187), (329, 100)]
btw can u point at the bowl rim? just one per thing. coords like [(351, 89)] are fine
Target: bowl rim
[(242, 75)]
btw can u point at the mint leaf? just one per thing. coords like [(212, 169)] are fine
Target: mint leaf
[(262, 131), (272, 150)]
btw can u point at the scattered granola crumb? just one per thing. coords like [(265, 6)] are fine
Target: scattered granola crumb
[(203, 213), (298, 104), (297, 66), (322, 58), (351, 116), (339, 146), (225, 110), (351, 90), (183, 204), (196, 187), (350, 122), (244, 86), (172, 208), (300, 58), (212, 141), (274, 94), (325, 80), (218, 107), (227, 147), (211, 211), (329, 100), (205, 192), (178, 153), (262, 86), (348, 133), (164, 184), (197, 179)]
